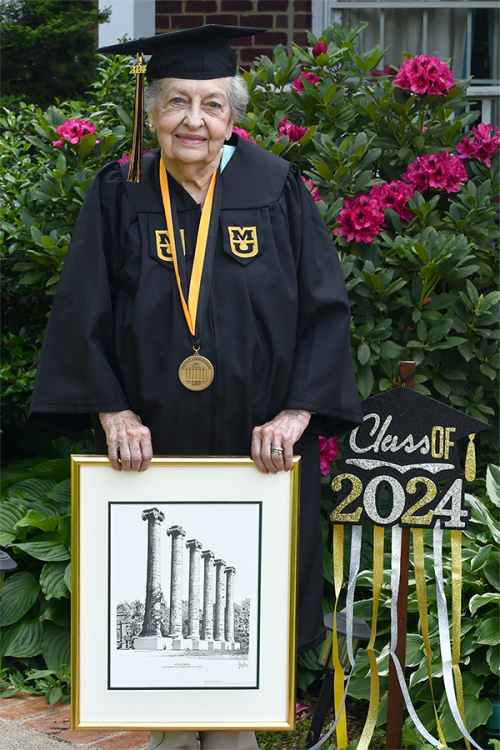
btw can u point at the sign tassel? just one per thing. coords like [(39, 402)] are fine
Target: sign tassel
[(470, 460)]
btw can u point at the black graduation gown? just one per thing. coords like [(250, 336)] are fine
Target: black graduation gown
[(276, 327)]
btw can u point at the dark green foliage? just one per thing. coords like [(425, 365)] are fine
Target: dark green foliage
[(35, 526), (423, 289), (43, 188), (47, 48)]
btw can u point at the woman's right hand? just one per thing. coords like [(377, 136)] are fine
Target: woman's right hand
[(129, 441)]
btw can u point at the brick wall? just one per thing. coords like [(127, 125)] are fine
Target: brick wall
[(286, 21)]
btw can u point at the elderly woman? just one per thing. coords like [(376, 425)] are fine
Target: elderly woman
[(202, 311)]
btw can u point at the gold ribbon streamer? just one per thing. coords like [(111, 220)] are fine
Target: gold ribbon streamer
[(190, 309), (418, 559), (338, 682), (378, 577), (456, 609)]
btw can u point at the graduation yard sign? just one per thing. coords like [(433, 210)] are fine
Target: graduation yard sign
[(401, 469)]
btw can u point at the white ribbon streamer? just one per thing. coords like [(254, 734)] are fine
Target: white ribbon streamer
[(395, 575), (444, 633), (356, 536)]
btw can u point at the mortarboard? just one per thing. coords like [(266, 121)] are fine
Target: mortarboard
[(408, 443), (405, 431), (201, 53)]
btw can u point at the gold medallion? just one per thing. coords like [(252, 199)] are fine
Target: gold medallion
[(196, 373)]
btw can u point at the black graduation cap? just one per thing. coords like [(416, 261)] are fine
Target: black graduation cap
[(405, 433), (201, 53), (393, 463)]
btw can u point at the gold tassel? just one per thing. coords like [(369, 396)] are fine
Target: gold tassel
[(135, 169), (470, 460)]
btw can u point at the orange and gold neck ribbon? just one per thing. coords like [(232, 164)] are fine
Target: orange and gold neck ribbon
[(456, 615), (190, 307), (338, 684), (418, 559), (378, 577)]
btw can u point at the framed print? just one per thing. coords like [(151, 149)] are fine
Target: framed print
[(184, 583)]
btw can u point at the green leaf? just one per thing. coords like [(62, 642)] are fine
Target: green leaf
[(61, 492), (57, 469), (480, 559), (363, 353), (10, 514), (493, 484), (24, 639), (477, 713), (479, 600), (19, 593), (52, 580), (56, 646), (85, 145), (391, 350), (493, 659), (414, 652), (36, 489), (47, 547), (38, 520), (488, 631), (67, 576), (365, 380)]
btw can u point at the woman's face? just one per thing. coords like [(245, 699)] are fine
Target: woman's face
[(192, 119)]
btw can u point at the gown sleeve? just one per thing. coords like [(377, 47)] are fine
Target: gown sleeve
[(322, 376), (76, 377)]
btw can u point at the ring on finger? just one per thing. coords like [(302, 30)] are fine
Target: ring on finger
[(277, 451)]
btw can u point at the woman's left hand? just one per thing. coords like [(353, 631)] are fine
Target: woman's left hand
[(281, 433)]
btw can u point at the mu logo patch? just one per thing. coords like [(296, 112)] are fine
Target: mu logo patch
[(163, 249), (243, 241)]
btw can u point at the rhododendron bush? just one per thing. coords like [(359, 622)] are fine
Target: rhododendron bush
[(406, 181)]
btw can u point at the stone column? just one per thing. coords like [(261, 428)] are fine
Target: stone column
[(152, 614), (194, 547), (229, 620), (208, 595), (219, 600), (177, 533)]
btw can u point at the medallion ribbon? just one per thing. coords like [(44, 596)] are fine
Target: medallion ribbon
[(197, 297)]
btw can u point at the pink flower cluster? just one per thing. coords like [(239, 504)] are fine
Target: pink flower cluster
[(328, 452), (313, 190), (298, 84), (294, 132), (436, 172), (126, 157), (482, 147), (425, 74), (321, 48), (360, 219), (243, 134), (73, 130), (394, 195)]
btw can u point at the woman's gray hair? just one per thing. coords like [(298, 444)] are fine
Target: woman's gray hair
[(237, 93)]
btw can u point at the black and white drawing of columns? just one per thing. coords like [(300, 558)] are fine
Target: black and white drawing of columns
[(219, 600), (208, 594), (152, 614), (229, 620), (177, 533), (194, 547)]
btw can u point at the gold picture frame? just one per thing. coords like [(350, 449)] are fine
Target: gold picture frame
[(164, 662)]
